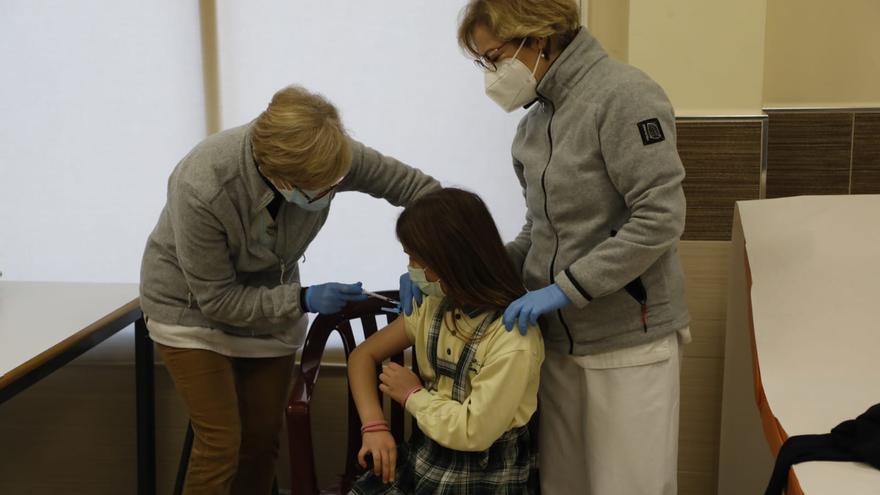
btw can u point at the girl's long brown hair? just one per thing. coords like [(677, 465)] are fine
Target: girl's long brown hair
[(452, 232)]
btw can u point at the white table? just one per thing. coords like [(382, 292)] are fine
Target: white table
[(803, 336), (45, 325)]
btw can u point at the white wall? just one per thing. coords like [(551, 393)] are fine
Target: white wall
[(98, 100), (395, 71), (708, 55), (822, 54)]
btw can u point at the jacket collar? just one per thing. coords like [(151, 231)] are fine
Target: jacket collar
[(571, 66)]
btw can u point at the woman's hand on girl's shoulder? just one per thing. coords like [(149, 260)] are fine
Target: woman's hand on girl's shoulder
[(380, 445)]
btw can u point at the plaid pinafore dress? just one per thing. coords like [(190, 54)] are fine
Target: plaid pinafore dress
[(426, 467)]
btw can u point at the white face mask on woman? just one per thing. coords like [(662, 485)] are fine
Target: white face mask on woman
[(418, 277), (511, 85)]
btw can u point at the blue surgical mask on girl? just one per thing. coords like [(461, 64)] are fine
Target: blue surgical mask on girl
[(296, 197), (418, 277)]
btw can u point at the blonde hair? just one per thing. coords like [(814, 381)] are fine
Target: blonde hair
[(300, 139), (517, 19)]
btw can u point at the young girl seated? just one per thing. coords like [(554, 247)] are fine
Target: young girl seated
[(479, 383)]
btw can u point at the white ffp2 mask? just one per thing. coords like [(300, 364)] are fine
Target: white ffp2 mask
[(512, 86)]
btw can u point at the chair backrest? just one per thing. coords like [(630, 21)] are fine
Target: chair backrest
[(370, 313)]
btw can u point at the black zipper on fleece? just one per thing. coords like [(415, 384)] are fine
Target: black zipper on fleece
[(547, 214)]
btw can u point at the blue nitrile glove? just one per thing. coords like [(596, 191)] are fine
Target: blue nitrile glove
[(529, 307), (329, 298), (408, 292)]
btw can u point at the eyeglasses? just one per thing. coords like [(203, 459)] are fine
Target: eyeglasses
[(487, 61), (316, 197), (309, 198)]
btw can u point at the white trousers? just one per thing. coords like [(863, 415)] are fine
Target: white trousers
[(609, 422)]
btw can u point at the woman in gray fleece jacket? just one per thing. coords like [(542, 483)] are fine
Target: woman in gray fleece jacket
[(596, 157), (220, 279)]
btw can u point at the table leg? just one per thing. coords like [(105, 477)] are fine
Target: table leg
[(146, 410)]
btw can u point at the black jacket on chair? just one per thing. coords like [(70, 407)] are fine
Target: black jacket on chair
[(855, 440)]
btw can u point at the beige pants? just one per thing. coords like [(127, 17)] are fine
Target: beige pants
[(609, 422), (236, 406)]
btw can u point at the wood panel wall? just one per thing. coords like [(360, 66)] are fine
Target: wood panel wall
[(823, 152)]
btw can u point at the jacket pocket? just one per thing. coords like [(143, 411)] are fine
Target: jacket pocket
[(656, 351), (636, 290)]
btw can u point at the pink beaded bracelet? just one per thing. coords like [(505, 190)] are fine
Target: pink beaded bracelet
[(375, 428), (410, 393), (373, 424)]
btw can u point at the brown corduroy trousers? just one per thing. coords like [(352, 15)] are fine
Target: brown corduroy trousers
[(236, 406)]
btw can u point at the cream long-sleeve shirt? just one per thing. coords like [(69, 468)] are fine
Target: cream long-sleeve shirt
[(503, 376)]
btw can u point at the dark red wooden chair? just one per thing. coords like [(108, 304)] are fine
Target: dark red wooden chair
[(302, 459)]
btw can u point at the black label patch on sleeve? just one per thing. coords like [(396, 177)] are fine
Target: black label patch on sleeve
[(651, 131)]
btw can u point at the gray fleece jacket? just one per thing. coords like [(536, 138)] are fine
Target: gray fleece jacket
[(597, 159), (217, 259)]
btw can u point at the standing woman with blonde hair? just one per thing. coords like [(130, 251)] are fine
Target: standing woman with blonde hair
[(220, 281), (597, 160)]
